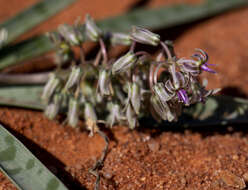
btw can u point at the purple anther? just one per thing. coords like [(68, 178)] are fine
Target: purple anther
[(182, 95)]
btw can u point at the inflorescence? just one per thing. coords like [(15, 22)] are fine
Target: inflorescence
[(121, 91)]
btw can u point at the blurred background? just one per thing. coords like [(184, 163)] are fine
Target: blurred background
[(223, 37)]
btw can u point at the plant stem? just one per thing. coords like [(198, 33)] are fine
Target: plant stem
[(99, 163)]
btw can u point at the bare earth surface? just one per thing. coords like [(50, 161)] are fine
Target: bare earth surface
[(147, 159)]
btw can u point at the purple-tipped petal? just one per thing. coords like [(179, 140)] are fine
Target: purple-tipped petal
[(205, 68), (202, 54), (182, 95)]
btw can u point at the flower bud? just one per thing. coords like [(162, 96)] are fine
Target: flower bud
[(74, 77), (52, 84), (69, 34), (162, 109), (3, 36), (89, 112), (92, 31), (131, 117), (53, 108), (73, 112), (120, 39), (65, 100), (80, 32), (158, 107), (144, 36), (104, 82), (90, 118), (161, 92), (115, 115), (135, 97), (124, 63)]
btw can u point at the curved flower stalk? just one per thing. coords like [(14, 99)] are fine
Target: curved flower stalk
[(122, 90)]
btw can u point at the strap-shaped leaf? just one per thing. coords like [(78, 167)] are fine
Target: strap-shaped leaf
[(170, 16), (32, 16), (21, 96), (218, 110), (164, 17), (22, 167)]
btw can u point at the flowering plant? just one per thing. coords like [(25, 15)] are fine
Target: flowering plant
[(120, 91)]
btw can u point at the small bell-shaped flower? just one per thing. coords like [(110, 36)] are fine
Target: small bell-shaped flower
[(92, 31), (52, 84), (182, 96), (194, 67), (73, 112), (178, 84), (124, 63), (114, 115), (161, 92), (3, 36), (131, 117), (90, 118), (202, 61), (135, 96), (69, 34), (53, 108), (158, 107), (144, 36), (74, 77), (104, 84), (120, 39)]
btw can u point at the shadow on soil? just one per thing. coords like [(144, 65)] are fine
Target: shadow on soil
[(234, 91)]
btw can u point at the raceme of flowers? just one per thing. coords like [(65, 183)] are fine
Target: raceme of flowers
[(121, 90)]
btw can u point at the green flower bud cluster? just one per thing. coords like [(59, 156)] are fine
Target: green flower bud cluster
[(122, 90)]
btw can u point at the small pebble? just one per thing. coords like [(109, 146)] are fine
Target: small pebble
[(153, 145), (107, 175), (235, 157)]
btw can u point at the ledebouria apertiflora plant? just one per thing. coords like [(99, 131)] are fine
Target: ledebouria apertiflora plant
[(120, 91)]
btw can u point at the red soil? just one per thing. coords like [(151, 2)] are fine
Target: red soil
[(148, 159)]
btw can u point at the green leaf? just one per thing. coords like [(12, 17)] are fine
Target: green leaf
[(32, 16), (164, 17), (21, 96), (22, 167), (218, 110)]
